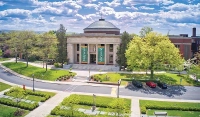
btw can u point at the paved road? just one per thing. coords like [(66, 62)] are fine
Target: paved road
[(173, 92)]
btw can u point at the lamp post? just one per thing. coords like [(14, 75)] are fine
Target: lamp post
[(33, 82), (94, 103), (89, 74), (119, 82)]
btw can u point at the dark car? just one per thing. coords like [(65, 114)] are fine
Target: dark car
[(162, 85), (151, 84), (137, 83)]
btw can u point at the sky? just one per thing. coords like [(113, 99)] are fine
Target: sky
[(173, 16)]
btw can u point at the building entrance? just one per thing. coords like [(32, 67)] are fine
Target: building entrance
[(93, 58)]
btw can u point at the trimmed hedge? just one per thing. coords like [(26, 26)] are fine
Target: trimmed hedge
[(99, 100), (67, 113), (22, 105), (46, 96), (161, 105)]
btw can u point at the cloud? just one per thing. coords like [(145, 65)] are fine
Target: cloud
[(167, 2), (15, 13), (146, 8), (178, 7), (135, 2), (1, 3), (114, 3), (95, 6)]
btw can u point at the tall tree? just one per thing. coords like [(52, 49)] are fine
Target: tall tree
[(151, 50), (145, 30), (197, 56), (29, 39), (15, 43), (121, 59), (62, 45), (47, 46)]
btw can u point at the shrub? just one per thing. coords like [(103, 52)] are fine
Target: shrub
[(143, 110), (57, 65)]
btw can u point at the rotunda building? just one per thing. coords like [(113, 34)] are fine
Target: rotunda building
[(97, 45)]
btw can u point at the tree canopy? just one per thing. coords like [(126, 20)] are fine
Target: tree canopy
[(152, 50)]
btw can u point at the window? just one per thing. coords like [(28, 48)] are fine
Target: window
[(177, 46), (110, 58), (111, 48), (77, 49), (102, 44)]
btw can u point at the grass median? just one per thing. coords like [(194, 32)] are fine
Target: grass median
[(4, 86), (39, 73), (168, 78), (183, 109)]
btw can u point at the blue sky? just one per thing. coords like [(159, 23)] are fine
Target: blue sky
[(175, 16)]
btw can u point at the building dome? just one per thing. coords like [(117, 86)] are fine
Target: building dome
[(102, 26)]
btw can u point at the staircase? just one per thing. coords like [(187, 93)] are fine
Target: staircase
[(93, 67)]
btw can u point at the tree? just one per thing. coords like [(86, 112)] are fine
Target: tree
[(151, 50), (119, 107), (121, 59), (194, 70), (62, 45), (145, 30), (15, 43), (47, 46), (197, 56)]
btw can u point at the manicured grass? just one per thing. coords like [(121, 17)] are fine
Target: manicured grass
[(169, 78), (7, 111), (174, 108), (3, 59), (40, 73), (4, 86), (33, 97), (176, 113)]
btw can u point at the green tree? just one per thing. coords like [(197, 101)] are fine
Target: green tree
[(29, 39), (15, 43), (119, 107), (121, 59), (145, 30), (194, 70), (62, 45), (197, 56), (47, 46), (151, 50)]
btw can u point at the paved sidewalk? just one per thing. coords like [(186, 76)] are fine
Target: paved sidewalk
[(2, 92), (135, 107), (46, 107)]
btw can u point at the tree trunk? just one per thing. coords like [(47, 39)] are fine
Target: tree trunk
[(46, 65), (16, 58), (152, 70), (43, 62), (26, 60), (62, 64)]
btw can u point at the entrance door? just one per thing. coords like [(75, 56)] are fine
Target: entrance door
[(93, 58)]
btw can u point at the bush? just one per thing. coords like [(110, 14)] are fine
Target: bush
[(22, 105), (57, 65), (143, 110)]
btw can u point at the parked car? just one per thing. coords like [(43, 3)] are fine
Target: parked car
[(162, 85), (151, 84), (137, 83)]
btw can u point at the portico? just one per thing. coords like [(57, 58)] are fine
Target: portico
[(97, 45)]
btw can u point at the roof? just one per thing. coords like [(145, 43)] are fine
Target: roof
[(101, 24)]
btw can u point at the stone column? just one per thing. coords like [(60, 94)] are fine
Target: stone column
[(70, 50), (115, 46), (105, 54), (88, 53), (79, 53), (96, 53)]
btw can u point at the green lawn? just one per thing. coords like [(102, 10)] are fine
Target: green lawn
[(86, 102), (7, 111), (33, 97), (183, 109), (4, 86), (4, 59), (169, 78), (40, 73), (176, 113)]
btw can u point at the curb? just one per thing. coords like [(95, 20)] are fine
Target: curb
[(55, 82)]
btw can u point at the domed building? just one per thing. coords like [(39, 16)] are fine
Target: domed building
[(97, 45)]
